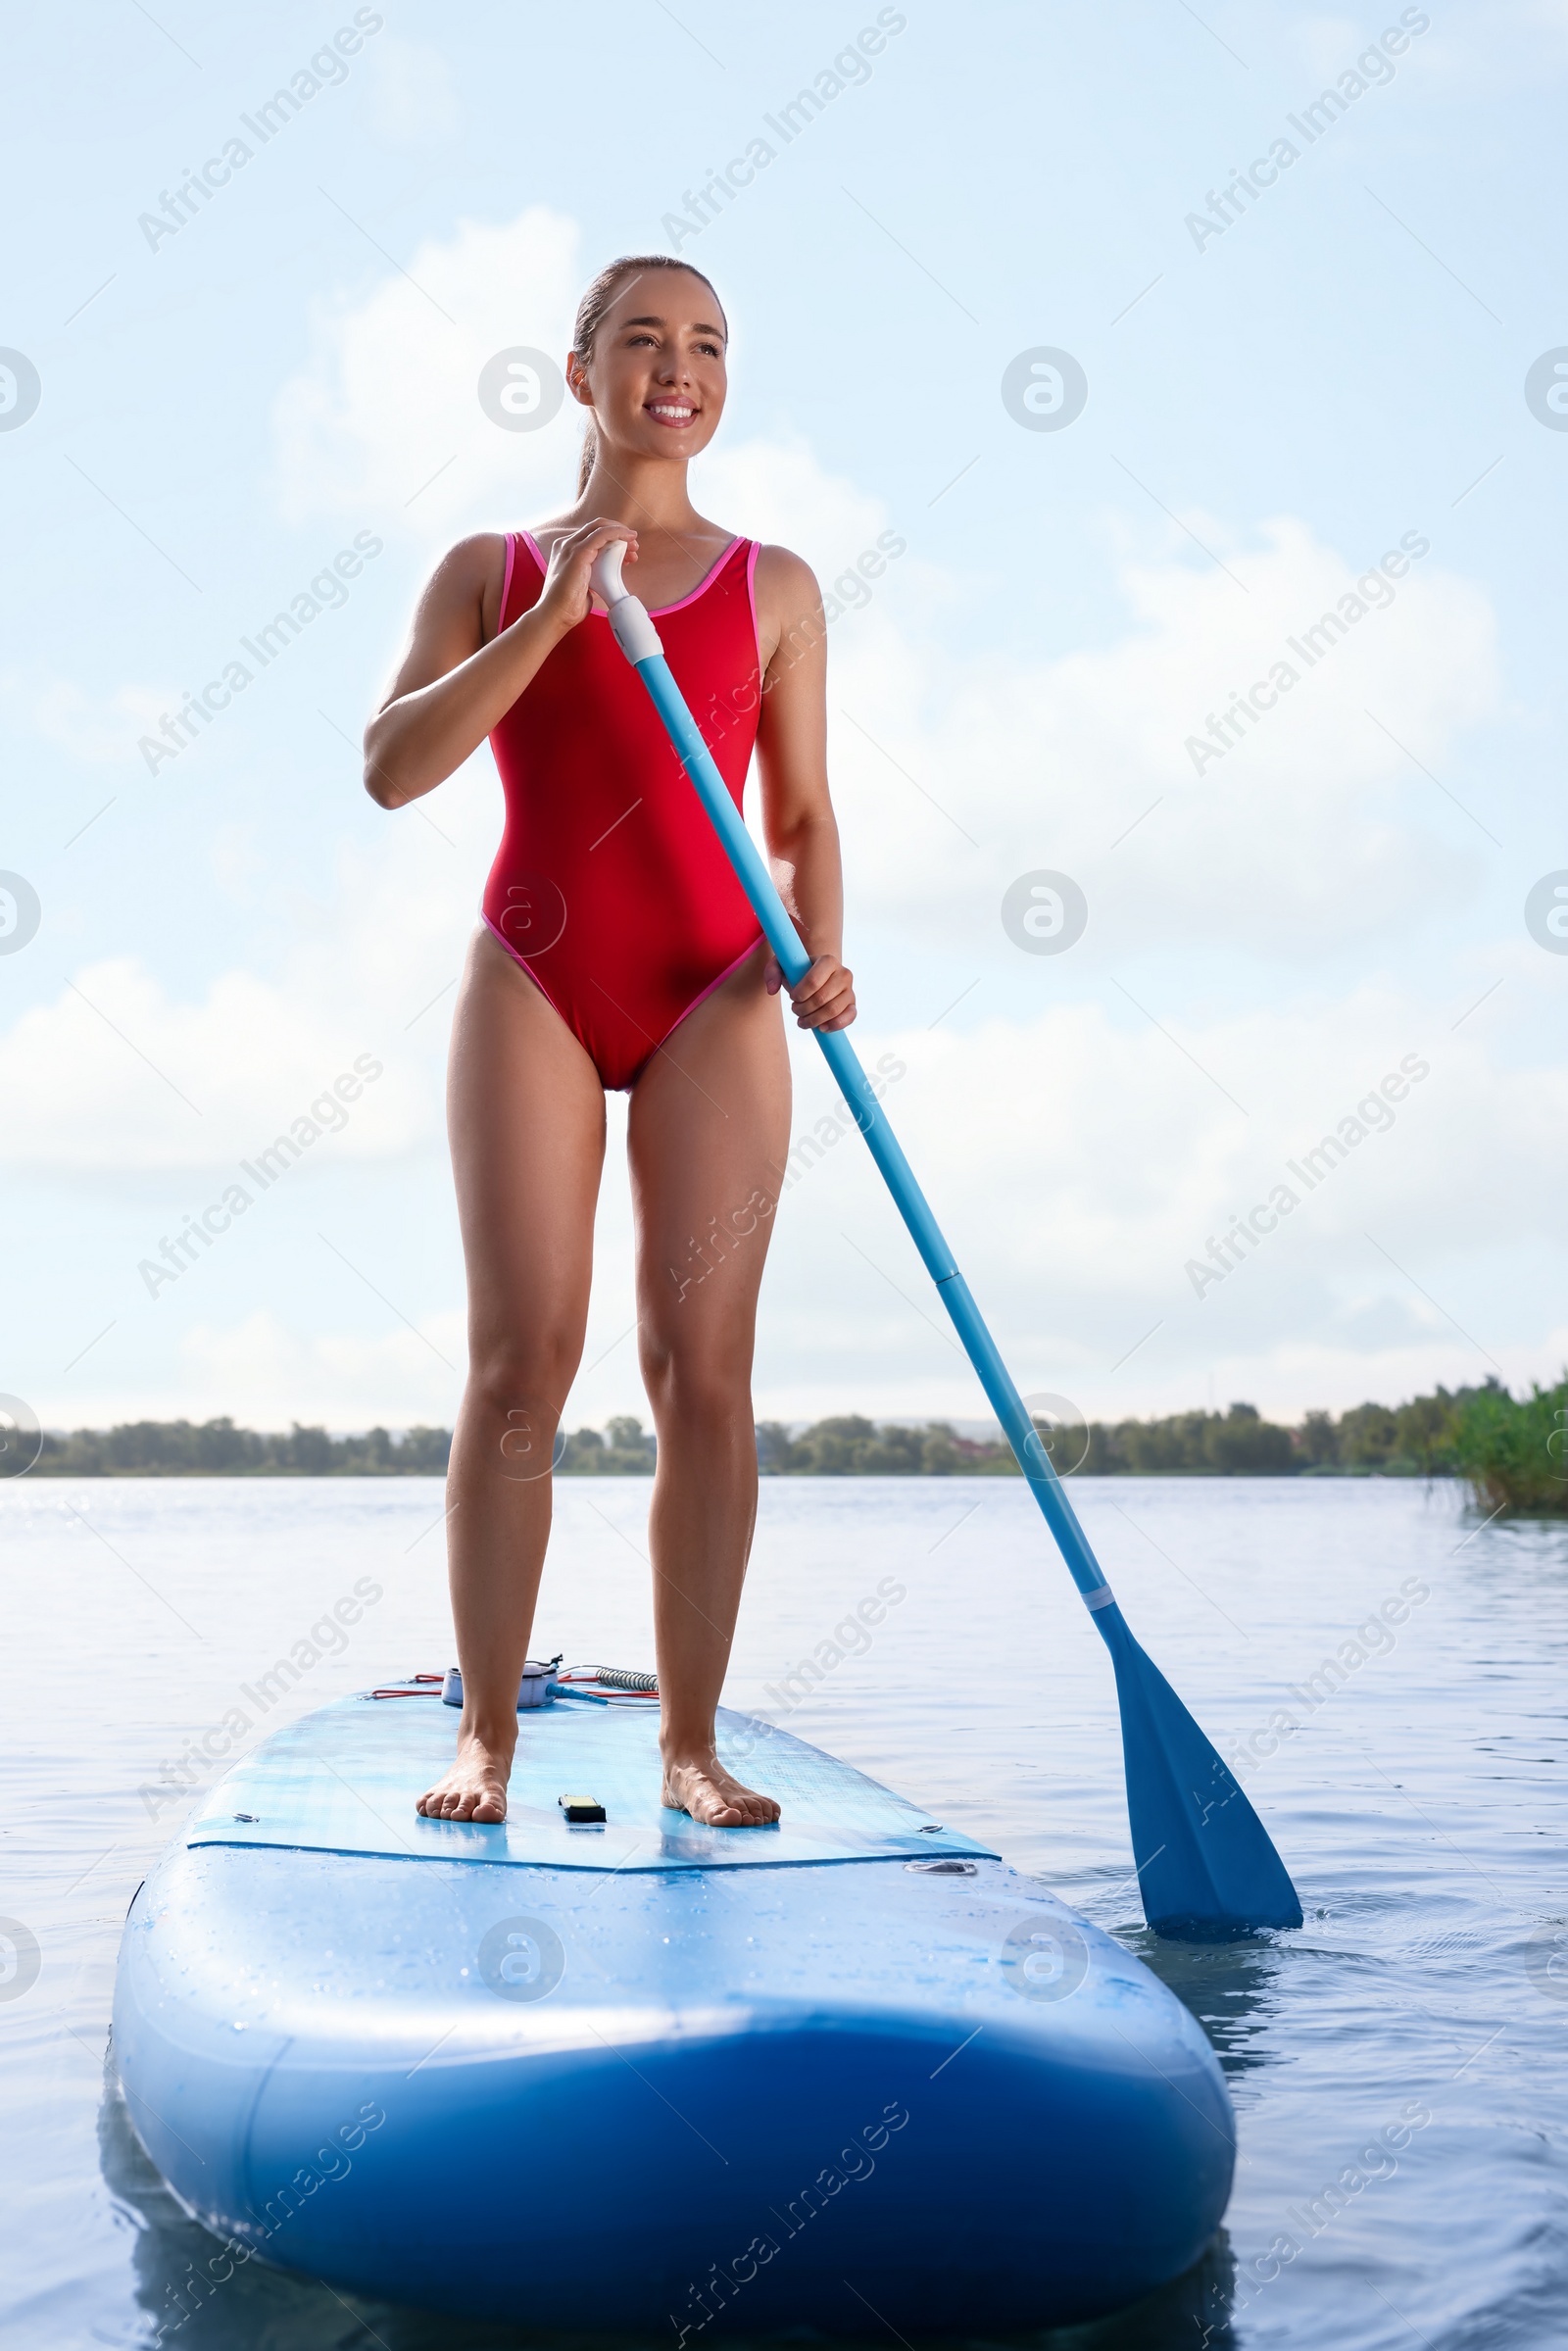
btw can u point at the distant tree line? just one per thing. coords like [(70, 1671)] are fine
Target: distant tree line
[(216, 1449), (1511, 1449), (1414, 1440), (624, 1451)]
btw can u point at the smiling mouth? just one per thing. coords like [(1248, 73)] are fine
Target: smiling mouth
[(670, 413)]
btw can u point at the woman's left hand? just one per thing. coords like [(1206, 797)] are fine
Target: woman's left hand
[(825, 996)]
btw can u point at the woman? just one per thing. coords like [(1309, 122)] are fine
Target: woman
[(617, 949)]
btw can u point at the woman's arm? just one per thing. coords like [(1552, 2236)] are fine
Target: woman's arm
[(451, 688), (802, 836)]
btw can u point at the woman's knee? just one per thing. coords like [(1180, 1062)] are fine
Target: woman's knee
[(532, 1370), (707, 1379)]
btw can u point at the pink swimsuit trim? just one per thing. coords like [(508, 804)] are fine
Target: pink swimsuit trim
[(706, 580), (751, 590)]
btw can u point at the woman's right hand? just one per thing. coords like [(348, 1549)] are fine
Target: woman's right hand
[(566, 598)]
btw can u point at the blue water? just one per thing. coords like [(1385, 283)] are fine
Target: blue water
[(1397, 2065)]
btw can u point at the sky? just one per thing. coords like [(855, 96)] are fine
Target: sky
[(998, 292)]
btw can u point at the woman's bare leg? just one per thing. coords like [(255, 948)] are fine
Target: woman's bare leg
[(525, 1112), (707, 1138)]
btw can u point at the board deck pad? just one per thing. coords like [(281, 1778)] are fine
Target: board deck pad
[(344, 1780)]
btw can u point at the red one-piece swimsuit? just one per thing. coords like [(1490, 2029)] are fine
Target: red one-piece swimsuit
[(609, 886)]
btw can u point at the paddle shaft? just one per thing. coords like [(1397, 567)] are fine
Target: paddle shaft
[(1206, 1865), (872, 1121)]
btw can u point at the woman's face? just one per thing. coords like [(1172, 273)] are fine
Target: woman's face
[(656, 382)]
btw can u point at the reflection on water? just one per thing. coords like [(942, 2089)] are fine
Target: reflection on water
[(1230, 1988), (1192, 2314)]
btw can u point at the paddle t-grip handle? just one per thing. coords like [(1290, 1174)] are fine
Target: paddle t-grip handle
[(603, 573), (636, 633)]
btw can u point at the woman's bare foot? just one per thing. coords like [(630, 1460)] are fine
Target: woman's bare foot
[(475, 1788), (701, 1786)]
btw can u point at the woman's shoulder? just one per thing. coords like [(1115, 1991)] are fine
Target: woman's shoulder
[(480, 547), (781, 564), (787, 591), (473, 562), (466, 585)]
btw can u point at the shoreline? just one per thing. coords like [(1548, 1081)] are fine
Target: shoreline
[(1511, 1450)]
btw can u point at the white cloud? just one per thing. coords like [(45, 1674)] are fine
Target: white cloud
[(389, 397), (99, 730), (778, 490), (1315, 828), (267, 1375), (1078, 1162), (116, 1073), (955, 771), (1090, 1152)]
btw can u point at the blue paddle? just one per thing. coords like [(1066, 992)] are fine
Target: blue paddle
[(1207, 1867)]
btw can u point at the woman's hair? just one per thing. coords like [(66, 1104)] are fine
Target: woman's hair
[(591, 314)]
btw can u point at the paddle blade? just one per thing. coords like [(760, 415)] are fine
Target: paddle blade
[(1206, 1865)]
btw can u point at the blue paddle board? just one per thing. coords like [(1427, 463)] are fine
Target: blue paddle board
[(851, 2072)]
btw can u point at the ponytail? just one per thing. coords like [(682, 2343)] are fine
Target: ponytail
[(591, 313)]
